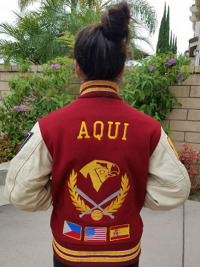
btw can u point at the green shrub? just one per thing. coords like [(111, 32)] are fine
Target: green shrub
[(8, 148), (34, 95), (191, 159), (146, 86)]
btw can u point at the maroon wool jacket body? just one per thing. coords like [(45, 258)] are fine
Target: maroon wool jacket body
[(100, 149)]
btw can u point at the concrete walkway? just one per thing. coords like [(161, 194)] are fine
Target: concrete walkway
[(171, 239)]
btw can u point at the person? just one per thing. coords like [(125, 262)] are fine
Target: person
[(98, 160)]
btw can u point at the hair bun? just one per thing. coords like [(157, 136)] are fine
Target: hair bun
[(115, 22)]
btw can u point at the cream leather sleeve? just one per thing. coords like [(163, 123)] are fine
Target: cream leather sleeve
[(168, 184), (28, 184)]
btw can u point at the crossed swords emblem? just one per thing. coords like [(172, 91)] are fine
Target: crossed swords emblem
[(95, 205)]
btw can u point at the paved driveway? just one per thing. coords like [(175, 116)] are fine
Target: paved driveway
[(171, 239)]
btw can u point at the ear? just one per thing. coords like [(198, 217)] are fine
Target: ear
[(121, 73), (77, 69)]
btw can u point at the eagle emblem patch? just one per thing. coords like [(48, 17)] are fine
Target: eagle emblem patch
[(98, 171)]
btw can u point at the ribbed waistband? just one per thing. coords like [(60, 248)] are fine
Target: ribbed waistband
[(96, 256)]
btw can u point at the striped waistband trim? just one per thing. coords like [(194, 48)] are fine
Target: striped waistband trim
[(96, 86), (96, 256)]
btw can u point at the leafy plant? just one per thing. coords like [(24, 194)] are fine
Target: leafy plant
[(34, 35), (146, 86), (190, 158), (8, 148), (34, 95)]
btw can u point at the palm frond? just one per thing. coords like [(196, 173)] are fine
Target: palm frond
[(36, 33), (144, 13), (24, 3)]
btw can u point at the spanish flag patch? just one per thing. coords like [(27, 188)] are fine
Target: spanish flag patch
[(119, 232)]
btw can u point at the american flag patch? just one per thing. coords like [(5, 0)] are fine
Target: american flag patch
[(95, 234)]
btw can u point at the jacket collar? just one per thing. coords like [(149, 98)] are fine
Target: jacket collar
[(99, 89)]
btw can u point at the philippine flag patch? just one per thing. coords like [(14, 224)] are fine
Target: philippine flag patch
[(72, 230), (95, 233)]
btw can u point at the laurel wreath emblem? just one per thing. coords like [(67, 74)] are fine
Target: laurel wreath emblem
[(116, 204), (111, 208), (76, 200)]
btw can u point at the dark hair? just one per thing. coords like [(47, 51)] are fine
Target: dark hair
[(100, 49)]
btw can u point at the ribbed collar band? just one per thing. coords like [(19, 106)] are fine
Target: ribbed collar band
[(98, 86)]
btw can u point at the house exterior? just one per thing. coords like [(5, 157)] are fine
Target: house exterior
[(194, 43)]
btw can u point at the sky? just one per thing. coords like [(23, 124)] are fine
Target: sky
[(180, 24)]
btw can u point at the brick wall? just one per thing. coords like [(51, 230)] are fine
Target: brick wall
[(184, 121)]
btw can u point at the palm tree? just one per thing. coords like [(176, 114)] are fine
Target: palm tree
[(23, 4), (141, 9), (34, 36), (46, 33), (143, 15)]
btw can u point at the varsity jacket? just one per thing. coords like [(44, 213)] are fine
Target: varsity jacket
[(99, 161)]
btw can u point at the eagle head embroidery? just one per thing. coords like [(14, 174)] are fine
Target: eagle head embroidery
[(99, 171)]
